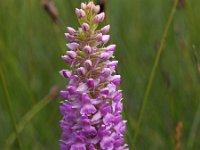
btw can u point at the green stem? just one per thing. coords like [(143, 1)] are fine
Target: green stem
[(153, 71), (8, 103)]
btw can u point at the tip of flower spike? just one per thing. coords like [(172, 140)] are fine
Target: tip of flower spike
[(96, 9), (83, 6)]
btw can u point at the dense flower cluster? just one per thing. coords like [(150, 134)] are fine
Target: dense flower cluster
[(92, 108)]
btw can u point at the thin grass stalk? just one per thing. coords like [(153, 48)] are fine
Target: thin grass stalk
[(26, 119), (8, 103), (153, 71)]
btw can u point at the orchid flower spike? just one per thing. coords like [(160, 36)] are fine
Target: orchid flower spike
[(92, 106)]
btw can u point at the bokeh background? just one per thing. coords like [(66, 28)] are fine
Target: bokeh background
[(32, 41)]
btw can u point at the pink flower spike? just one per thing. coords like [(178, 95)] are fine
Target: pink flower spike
[(92, 100)]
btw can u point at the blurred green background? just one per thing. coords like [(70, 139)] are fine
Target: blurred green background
[(31, 44)]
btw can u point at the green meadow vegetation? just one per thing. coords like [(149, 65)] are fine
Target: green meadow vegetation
[(158, 48)]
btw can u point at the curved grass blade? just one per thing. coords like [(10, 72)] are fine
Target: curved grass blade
[(8, 103), (31, 114), (153, 71)]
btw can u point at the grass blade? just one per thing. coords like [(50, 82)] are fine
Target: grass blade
[(8, 103), (153, 71)]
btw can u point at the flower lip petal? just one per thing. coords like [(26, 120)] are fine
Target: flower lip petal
[(78, 146), (87, 110)]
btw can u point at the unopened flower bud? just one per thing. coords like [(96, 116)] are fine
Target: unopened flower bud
[(71, 89), (69, 36), (80, 13), (99, 37), (99, 18), (66, 58), (73, 46), (90, 5), (85, 27), (116, 79), (88, 63), (105, 29), (106, 72), (87, 49), (71, 54), (83, 6), (90, 83), (71, 30), (111, 48), (81, 70), (65, 73), (105, 39), (105, 55), (96, 9)]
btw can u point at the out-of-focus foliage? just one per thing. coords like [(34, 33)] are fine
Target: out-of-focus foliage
[(31, 46)]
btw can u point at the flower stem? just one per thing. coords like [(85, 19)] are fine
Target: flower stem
[(153, 71)]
